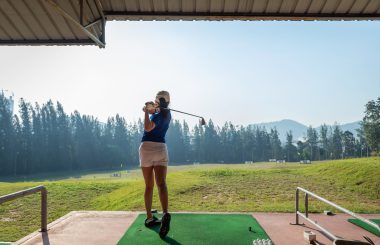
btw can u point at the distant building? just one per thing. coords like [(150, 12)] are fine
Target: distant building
[(10, 97)]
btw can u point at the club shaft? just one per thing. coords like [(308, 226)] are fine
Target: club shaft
[(181, 112)]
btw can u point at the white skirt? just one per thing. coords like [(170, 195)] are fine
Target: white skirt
[(153, 154)]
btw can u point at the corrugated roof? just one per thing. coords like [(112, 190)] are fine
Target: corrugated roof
[(68, 22), (36, 22), (241, 9)]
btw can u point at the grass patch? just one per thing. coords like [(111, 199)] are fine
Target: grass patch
[(264, 187)]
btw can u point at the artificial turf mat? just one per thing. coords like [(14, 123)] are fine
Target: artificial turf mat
[(191, 229), (366, 226)]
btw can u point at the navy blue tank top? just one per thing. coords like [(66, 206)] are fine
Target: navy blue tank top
[(159, 131)]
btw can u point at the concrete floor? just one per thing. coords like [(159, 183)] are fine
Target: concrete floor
[(277, 227), (84, 227), (107, 227)]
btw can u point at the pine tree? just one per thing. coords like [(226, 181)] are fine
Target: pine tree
[(186, 142), (275, 144), (371, 124), (337, 148), (7, 144), (65, 156), (37, 139), (312, 140), (17, 159), (363, 148), (26, 139), (324, 142), (290, 149), (348, 144)]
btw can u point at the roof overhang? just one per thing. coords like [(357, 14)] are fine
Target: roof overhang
[(82, 22), (52, 22)]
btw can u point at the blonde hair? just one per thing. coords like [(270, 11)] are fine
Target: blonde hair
[(163, 94)]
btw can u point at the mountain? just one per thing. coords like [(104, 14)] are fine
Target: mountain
[(298, 129), (351, 127)]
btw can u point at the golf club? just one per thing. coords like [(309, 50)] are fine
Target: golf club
[(202, 120)]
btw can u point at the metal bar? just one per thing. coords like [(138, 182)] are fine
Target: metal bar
[(48, 42), (103, 37), (93, 23), (44, 211), (297, 206), (307, 205), (42, 189), (67, 16), (76, 15), (93, 17), (246, 16), (341, 208), (99, 8), (18, 194), (330, 235)]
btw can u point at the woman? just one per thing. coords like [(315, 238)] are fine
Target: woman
[(154, 158)]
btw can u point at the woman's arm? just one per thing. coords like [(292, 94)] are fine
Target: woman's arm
[(148, 124)]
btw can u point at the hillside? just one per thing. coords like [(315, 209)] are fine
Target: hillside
[(260, 187)]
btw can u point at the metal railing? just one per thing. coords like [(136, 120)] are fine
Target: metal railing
[(306, 215), (26, 192)]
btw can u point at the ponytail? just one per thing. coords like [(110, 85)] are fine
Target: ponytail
[(163, 104)]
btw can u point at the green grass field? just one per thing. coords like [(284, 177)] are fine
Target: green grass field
[(260, 187)]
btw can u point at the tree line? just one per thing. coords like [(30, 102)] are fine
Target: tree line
[(44, 138)]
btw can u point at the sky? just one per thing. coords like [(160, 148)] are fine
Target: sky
[(242, 72)]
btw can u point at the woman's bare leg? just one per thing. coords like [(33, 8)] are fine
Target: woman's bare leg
[(149, 184), (160, 174)]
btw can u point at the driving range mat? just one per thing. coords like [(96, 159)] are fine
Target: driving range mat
[(197, 229), (366, 226)]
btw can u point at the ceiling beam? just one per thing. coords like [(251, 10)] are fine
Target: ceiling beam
[(242, 16), (48, 42), (75, 22)]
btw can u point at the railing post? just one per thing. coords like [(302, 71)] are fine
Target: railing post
[(305, 216), (43, 210), (306, 205), (297, 193), (30, 191)]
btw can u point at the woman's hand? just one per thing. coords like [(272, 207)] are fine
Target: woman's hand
[(149, 107)]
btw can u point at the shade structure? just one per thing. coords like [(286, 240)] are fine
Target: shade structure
[(83, 22)]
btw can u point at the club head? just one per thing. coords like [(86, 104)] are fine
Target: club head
[(202, 121)]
